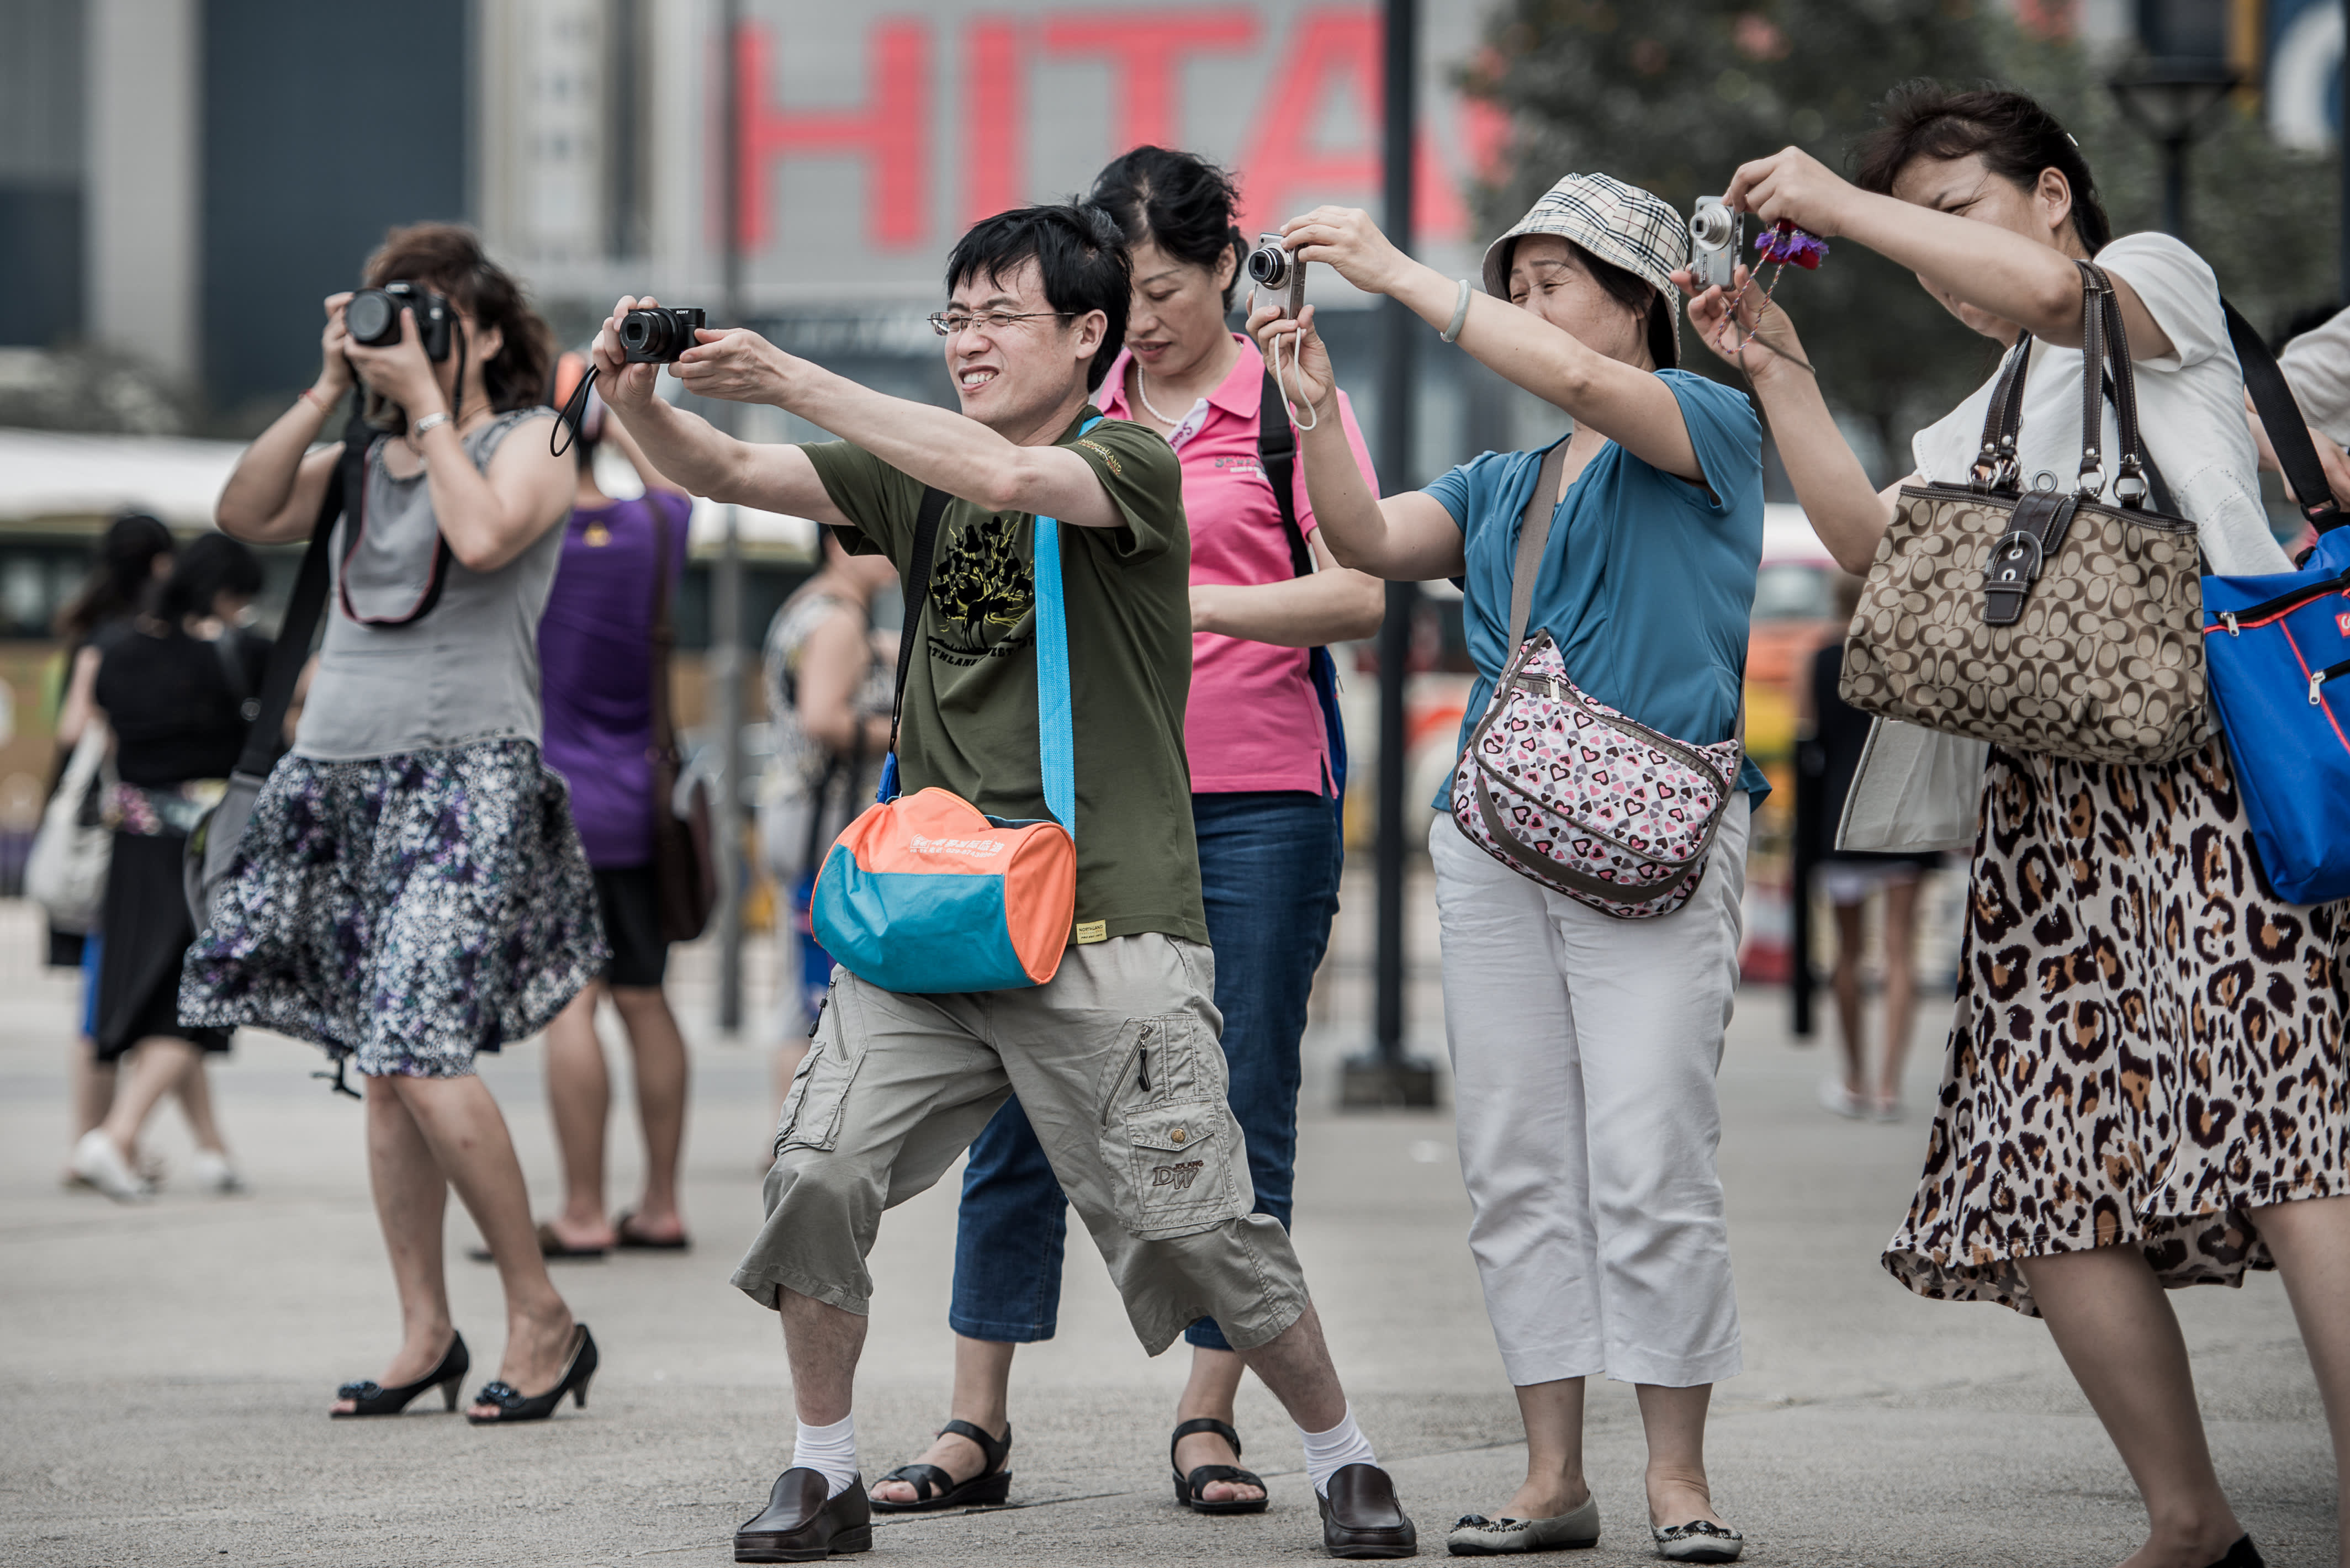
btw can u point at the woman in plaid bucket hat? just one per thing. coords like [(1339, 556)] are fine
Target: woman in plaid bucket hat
[(1584, 1045)]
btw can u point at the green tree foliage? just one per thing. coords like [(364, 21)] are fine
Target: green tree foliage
[(1673, 95)]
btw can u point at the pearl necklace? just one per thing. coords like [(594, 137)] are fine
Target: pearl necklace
[(1142, 387)]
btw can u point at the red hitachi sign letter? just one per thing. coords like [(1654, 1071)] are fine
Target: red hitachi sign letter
[(891, 132), (1334, 46), (1147, 54), (994, 119)]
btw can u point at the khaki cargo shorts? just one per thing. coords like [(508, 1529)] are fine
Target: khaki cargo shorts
[(1117, 1062)]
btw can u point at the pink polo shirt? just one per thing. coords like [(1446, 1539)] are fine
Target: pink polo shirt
[(1253, 722)]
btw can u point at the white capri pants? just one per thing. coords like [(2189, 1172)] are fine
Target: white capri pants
[(1583, 1054)]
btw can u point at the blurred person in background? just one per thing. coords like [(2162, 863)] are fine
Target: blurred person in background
[(2145, 1082), (178, 690), (596, 663), (409, 889), (133, 554), (1848, 878), (2316, 366), (1264, 794), (829, 676), (1584, 1046)]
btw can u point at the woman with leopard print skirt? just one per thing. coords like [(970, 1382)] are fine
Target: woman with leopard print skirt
[(2146, 1084)]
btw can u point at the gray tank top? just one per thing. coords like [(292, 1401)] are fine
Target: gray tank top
[(468, 671)]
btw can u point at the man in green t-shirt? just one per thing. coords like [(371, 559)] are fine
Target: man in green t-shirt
[(1116, 1059)]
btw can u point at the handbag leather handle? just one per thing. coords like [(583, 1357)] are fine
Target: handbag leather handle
[(2281, 416), (1995, 466)]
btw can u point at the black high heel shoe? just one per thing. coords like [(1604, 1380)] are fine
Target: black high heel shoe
[(2242, 1554), (513, 1405), (373, 1399)]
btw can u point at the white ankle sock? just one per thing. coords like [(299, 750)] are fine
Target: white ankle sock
[(831, 1452), (1327, 1453)]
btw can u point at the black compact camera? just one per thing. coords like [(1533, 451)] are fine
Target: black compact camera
[(1273, 268), (372, 316), (658, 334)]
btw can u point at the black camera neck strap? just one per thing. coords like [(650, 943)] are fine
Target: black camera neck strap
[(299, 627), (1276, 451)]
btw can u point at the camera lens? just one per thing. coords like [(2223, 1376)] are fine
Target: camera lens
[(1269, 266), (371, 316), (1711, 226), (640, 330)]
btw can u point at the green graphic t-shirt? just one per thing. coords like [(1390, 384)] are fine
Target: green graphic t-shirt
[(970, 722)]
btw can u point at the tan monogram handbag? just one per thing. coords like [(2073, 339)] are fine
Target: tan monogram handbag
[(2042, 621)]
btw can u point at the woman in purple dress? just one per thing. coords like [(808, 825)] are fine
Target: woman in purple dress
[(595, 663)]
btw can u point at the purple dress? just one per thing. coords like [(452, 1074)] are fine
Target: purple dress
[(595, 652)]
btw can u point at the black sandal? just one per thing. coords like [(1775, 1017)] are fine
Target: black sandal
[(1188, 1488), (373, 1399), (512, 1404), (935, 1489)]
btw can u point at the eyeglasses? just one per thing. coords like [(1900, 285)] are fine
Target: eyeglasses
[(947, 323)]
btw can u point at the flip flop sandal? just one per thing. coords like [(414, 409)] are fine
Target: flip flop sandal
[(632, 1242), (550, 1246), (934, 1489), (1188, 1488)]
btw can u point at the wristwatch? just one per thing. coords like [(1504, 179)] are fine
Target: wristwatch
[(438, 417)]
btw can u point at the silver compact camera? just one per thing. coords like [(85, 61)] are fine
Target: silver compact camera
[(1271, 267), (1715, 233)]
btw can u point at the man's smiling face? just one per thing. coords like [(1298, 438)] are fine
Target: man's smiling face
[(1018, 359)]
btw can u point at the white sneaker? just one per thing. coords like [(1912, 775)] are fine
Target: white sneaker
[(1841, 1100), (97, 1161), (214, 1173)]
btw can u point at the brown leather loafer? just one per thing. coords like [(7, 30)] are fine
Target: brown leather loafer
[(1361, 1518), (800, 1525)]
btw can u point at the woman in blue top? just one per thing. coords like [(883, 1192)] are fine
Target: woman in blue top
[(1584, 1047)]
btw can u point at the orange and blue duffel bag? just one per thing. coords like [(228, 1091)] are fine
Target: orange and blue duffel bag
[(2278, 649), (926, 893)]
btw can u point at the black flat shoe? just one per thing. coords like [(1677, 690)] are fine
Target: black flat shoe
[(373, 1399), (2242, 1554), (513, 1405), (800, 1524), (1188, 1488), (935, 1489)]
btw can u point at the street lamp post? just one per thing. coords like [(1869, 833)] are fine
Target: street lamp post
[(725, 663), (1384, 1076), (2172, 101)]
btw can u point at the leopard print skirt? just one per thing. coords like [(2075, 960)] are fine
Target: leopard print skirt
[(2148, 1041)]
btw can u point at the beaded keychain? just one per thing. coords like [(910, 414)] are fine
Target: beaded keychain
[(1786, 245)]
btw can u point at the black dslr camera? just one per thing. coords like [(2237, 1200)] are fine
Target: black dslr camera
[(658, 334), (372, 316)]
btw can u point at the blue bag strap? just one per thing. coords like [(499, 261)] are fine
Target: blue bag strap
[(1056, 736)]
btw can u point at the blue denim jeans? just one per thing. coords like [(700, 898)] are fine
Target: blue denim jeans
[(1269, 867)]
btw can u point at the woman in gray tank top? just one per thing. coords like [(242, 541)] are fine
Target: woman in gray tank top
[(409, 891)]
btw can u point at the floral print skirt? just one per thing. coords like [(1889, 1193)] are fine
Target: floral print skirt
[(2148, 1041), (404, 911)]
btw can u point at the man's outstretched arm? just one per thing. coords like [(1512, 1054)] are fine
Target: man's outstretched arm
[(697, 455), (941, 448)]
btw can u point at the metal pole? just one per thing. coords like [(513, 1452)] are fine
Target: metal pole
[(2174, 187), (725, 664), (1385, 1077)]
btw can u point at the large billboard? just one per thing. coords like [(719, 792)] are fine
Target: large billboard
[(874, 133)]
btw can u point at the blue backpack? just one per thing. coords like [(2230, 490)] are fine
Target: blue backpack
[(2278, 652)]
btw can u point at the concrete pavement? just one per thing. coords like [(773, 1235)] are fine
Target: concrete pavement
[(164, 1370)]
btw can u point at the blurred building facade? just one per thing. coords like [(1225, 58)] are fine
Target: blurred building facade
[(182, 181)]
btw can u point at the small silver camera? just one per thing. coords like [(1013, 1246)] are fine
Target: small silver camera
[(1715, 233), (1271, 268)]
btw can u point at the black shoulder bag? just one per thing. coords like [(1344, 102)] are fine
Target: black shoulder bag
[(1276, 450), (212, 846)]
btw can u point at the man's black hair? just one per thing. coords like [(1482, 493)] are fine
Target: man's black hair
[(1079, 251)]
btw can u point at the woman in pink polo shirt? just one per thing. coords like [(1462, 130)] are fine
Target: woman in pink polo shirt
[(1265, 596)]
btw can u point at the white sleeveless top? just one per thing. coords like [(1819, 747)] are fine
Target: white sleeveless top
[(468, 671)]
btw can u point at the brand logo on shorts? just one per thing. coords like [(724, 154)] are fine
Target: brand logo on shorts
[(2342, 621), (921, 846), (1179, 1177)]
